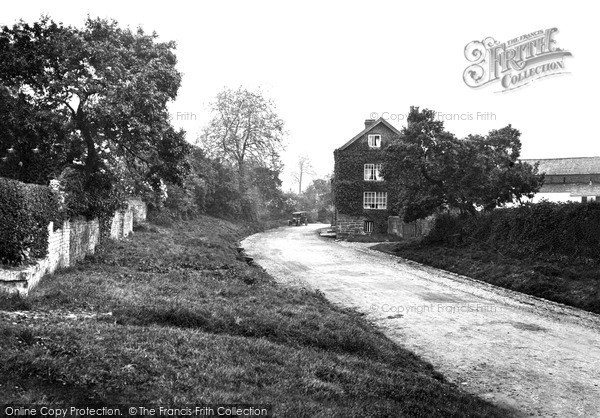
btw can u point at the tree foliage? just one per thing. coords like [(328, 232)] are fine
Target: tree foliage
[(431, 169), (244, 130), (246, 133), (96, 98), (319, 200)]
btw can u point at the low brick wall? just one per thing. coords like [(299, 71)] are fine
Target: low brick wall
[(122, 224), (140, 210), (68, 245), (84, 237)]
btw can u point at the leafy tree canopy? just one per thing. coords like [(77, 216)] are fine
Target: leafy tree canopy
[(246, 133), (433, 170), (244, 130), (105, 91)]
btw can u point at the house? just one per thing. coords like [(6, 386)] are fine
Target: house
[(361, 196), (569, 179)]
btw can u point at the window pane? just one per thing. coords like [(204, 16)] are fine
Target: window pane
[(369, 172), (374, 140), (375, 200), (377, 173)]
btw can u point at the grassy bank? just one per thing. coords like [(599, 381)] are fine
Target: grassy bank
[(574, 283), (173, 316)]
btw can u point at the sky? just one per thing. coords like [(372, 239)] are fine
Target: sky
[(328, 66)]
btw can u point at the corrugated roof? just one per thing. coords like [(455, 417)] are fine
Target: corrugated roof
[(566, 166), (364, 131)]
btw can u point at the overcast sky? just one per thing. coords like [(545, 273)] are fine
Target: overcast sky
[(330, 65)]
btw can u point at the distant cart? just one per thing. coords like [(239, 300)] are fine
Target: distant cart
[(299, 218)]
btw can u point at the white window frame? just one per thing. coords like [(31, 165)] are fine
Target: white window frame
[(368, 226), (374, 140), (372, 172), (375, 200)]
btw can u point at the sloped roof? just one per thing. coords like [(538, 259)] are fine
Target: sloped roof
[(572, 189), (566, 166), (364, 131)]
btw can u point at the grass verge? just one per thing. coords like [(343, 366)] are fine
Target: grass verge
[(173, 316), (573, 283), (373, 238)]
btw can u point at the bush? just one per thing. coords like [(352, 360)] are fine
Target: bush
[(570, 230), (92, 196), (25, 212)]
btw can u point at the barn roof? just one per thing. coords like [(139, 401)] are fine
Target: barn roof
[(566, 166)]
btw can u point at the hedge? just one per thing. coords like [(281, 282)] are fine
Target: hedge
[(570, 230), (25, 212)]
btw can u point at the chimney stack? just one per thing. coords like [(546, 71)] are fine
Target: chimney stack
[(369, 122), (409, 120)]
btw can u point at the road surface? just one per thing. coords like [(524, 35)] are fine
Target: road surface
[(538, 357)]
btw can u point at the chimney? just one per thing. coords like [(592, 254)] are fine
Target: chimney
[(369, 122), (409, 119)]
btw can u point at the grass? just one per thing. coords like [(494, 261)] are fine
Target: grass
[(373, 238), (173, 316), (571, 282)]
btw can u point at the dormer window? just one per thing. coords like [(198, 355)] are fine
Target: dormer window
[(374, 140)]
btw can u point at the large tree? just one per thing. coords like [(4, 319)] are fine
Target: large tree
[(108, 89), (246, 132), (303, 168), (431, 169)]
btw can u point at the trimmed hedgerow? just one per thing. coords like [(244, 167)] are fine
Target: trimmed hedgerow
[(570, 230), (25, 212)]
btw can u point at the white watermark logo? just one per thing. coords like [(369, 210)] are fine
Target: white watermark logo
[(514, 63)]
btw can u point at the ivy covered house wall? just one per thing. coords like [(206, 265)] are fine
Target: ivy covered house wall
[(362, 198)]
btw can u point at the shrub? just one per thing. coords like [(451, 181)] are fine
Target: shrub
[(569, 230), (25, 212), (92, 196)]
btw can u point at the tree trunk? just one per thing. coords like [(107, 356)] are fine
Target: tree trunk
[(247, 206), (92, 161)]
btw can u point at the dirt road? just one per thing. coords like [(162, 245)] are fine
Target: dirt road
[(515, 350)]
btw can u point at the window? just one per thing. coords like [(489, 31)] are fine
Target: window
[(374, 141), (368, 227), (583, 199), (373, 172), (375, 200)]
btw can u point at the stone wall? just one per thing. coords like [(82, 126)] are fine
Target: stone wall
[(140, 210), (418, 228), (68, 245), (84, 237), (349, 225), (122, 224)]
